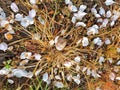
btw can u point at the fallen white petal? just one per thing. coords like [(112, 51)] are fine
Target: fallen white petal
[(72, 8), (102, 11), (112, 23), (33, 1), (68, 64), (60, 43), (84, 69), (4, 71), (101, 60), (57, 77), (18, 17), (32, 13), (112, 76), (88, 71), (98, 88), (10, 81), (51, 42), (37, 56), (85, 41), (109, 2), (77, 59), (68, 2), (4, 23), (77, 68), (73, 19), (118, 63), (14, 7), (117, 78), (97, 41), (58, 84), (108, 14), (79, 15), (76, 79), (69, 77), (45, 77), (24, 62), (80, 24), (25, 55), (19, 73), (118, 50), (107, 41), (82, 8), (3, 46)]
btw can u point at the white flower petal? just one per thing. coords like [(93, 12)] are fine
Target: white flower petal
[(4, 23), (102, 11), (98, 88), (97, 41), (25, 55), (32, 13), (108, 14), (101, 60), (100, 20), (60, 43), (58, 84), (37, 56), (68, 2), (19, 73), (10, 29), (92, 30), (104, 23), (118, 63), (112, 23), (117, 78), (33, 1), (84, 69), (73, 19), (76, 79), (107, 41), (4, 71), (94, 11), (25, 22), (79, 15), (3, 46), (45, 77), (110, 60), (57, 77), (69, 77), (88, 71), (72, 8), (97, 15), (118, 50), (109, 2), (80, 24), (85, 41), (77, 68), (68, 64), (51, 42), (82, 8), (24, 62), (10, 81), (77, 59), (14, 7), (112, 76), (18, 17)]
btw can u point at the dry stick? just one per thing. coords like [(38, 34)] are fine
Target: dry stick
[(14, 42)]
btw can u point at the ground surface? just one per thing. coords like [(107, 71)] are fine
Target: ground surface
[(69, 57)]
